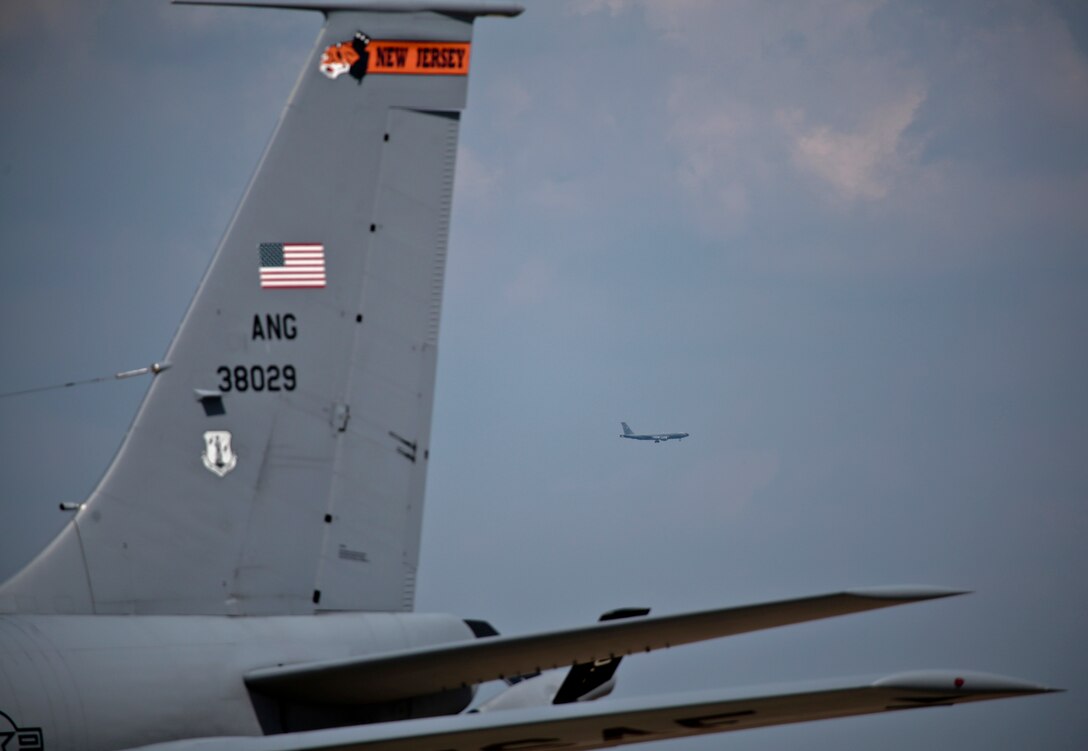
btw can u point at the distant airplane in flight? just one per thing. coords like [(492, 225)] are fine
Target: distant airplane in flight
[(655, 437)]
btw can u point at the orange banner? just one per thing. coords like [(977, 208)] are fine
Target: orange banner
[(419, 58)]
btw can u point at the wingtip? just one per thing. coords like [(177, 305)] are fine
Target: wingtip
[(968, 682), (910, 593)]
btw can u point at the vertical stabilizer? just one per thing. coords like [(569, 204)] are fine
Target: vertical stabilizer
[(278, 466)]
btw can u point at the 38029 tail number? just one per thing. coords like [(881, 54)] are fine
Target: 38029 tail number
[(257, 378)]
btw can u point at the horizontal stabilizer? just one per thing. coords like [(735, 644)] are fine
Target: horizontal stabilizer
[(380, 678), (607, 724), (462, 7)]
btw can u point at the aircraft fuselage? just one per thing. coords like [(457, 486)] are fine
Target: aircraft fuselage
[(657, 438), (104, 682)]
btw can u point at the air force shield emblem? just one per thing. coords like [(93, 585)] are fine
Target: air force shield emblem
[(218, 456)]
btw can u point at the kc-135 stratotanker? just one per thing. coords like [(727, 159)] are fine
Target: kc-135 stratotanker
[(655, 437), (243, 576)]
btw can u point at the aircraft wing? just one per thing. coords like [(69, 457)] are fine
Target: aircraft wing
[(378, 678), (601, 724)]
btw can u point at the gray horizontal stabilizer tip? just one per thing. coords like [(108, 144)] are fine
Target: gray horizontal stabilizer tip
[(964, 681), (462, 7), (907, 592)]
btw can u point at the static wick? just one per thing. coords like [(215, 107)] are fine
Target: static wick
[(154, 369), (71, 506)]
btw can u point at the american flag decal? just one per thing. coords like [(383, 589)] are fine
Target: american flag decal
[(292, 265)]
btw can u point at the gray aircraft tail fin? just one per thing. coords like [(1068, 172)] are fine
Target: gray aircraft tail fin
[(278, 465), (626, 429)]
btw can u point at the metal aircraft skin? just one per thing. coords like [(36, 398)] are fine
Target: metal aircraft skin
[(243, 575), (655, 437)]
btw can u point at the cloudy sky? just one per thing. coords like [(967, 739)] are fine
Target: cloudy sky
[(843, 244)]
